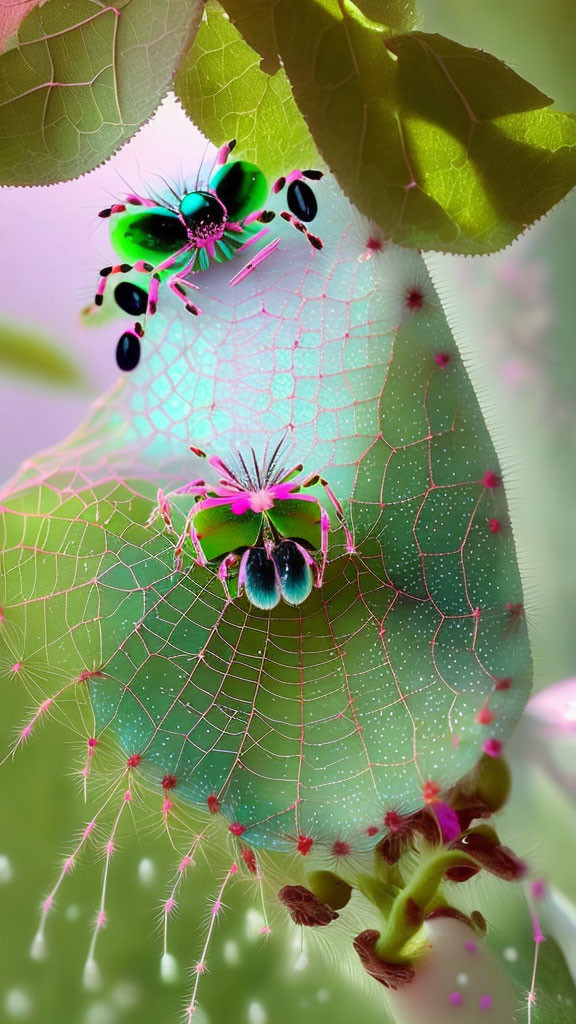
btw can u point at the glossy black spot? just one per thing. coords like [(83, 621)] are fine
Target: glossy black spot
[(302, 201), (128, 351), (131, 298), (156, 232)]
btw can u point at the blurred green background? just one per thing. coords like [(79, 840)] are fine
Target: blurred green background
[(514, 316)]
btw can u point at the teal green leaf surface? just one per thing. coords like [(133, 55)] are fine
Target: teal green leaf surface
[(395, 674), (82, 78)]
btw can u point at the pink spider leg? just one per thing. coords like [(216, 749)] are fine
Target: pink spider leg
[(263, 217), (255, 261), (317, 570), (189, 531), (163, 509), (224, 152), (131, 200), (178, 284), (315, 242), (242, 571), (325, 528), (152, 304), (296, 175), (225, 565), (253, 239), (316, 479), (119, 268)]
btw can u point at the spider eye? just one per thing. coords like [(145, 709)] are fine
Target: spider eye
[(242, 188), (302, 201), (128, 351), (131, 298)]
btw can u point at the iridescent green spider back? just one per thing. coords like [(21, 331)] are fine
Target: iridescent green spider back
[(153, 233)]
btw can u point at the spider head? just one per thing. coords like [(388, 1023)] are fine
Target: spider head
[(204, 215)]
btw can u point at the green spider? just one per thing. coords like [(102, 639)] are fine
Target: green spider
[(257, 520), (205, 226)]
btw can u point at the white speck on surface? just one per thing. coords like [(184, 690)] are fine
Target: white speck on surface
[(100, 1013), (91, 976), (231, 952), (510, 954), (257, 1014), (126, 994), (6, 872), (18, 1004), (168, 969), (38, 949), (254, 925), (146, 871), (301, 963), (462, 979)]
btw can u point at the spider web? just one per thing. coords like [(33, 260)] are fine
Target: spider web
[(409, 661)]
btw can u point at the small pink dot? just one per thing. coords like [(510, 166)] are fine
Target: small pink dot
[(495, 525), (470, 946), (485, 1002), (485, 716), (492, 747), (16, 666), (414, 298), (236, 829), (430, 791), (340, 848), (455, 999), (374, 244), (538, 888), (491, 479), (304, 844), (504, 684), (442, 359), (372, 830)]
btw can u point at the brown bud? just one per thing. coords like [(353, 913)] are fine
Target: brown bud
[(390, 975), (305, 908), (483, 844)]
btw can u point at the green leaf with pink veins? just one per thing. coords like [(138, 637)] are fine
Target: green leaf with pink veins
[(386, 684), (81, 79)]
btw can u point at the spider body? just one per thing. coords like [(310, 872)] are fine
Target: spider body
[(207, 225), (257, 522)]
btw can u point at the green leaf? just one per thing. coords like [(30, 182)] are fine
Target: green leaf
[(443, 145), (23, 353), (82, 78), (223, 89), (555, 990), (255, 20), (314, 719)]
